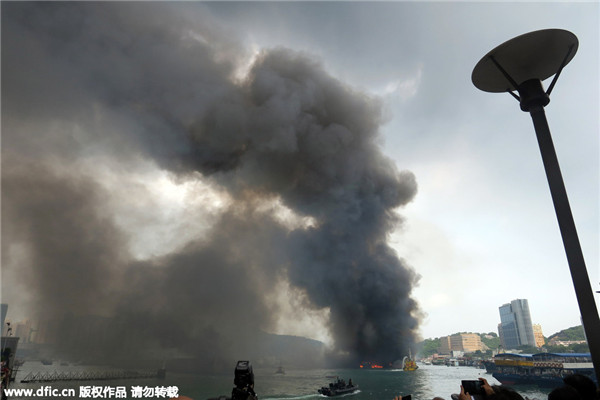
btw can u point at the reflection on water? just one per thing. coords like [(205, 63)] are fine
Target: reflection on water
[(424, 384)]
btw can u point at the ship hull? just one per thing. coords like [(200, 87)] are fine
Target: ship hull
[(544, 370), (339, 392)]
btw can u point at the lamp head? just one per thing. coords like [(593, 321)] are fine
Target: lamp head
[(517, 63)]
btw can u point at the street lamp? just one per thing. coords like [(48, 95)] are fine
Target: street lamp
[(521, 64)]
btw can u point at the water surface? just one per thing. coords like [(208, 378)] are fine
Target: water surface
[(425, 383)]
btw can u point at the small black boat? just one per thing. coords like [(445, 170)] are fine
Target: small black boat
[(338, 388)]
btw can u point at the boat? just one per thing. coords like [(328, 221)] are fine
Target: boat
[(338, 388), (452, 362), (543, 369), (46, 361), (408, 364), (280, 370), (371, 365)]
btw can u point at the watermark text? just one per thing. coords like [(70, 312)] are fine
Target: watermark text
[(97, 392)]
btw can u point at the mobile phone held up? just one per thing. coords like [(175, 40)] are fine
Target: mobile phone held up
[(474, 388)]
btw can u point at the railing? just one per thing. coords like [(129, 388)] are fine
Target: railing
[(86, 376)]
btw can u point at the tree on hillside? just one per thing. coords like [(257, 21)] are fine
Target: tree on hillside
[(428, 347), (573, 333), (527, 349), (492, 343), (580, 348), (573, 348)]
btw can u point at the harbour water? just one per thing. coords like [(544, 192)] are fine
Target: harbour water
[(423, 384)]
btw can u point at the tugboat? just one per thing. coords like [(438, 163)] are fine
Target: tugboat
[(338, 388), (408, 364)]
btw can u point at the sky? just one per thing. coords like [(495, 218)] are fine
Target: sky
[(467, 223), (481, 230)]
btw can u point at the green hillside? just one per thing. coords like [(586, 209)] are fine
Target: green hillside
[(428, 347), (573, 333), (491, 340)]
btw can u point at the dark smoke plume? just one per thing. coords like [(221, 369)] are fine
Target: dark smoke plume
[(122, 87)]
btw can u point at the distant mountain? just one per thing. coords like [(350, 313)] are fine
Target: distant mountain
[(272, 349), (268, 351)]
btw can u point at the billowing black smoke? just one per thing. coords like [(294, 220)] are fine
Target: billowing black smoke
[(125, 85)]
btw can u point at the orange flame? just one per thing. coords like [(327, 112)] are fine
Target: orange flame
[(370, 365)]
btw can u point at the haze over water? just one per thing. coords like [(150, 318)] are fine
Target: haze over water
[(424, 384)]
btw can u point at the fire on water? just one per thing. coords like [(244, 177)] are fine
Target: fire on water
[(371, 365)]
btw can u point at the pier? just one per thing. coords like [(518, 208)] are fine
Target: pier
[(55, 376)]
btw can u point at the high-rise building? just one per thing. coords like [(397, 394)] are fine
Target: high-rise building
[(515, 324), (538, 335)]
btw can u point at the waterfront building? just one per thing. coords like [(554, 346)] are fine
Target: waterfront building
[(538, 335), (461, 342), (466, 342), (445, 347), (515, 324), (472, 342)]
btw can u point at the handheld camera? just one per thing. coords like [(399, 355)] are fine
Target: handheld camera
[(474, 388), (244, 383)]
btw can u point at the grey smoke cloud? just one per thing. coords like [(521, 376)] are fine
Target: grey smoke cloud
[(122, 84)]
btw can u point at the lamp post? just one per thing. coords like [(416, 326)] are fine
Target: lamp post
[(520, 65)]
